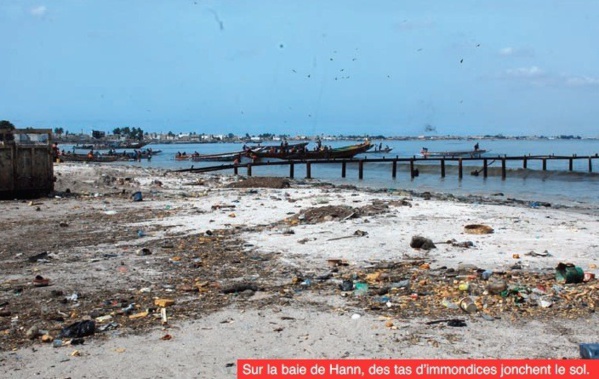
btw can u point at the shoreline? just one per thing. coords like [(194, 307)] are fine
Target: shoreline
[(251, 260)]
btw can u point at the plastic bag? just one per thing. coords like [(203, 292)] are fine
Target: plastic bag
[(78, 329)]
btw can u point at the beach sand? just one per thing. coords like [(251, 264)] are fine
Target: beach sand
[(256, 268)]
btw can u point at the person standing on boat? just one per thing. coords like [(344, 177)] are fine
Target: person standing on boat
[(476, 147), (318, 143)]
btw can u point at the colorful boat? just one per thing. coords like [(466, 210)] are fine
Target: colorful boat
[(302, 153)]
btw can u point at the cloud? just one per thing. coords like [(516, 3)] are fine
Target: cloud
[(38, 11), (535, 76), (516, 52), (581, 81), (525, 72)]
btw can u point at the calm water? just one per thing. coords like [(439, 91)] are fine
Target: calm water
[(554, 185)]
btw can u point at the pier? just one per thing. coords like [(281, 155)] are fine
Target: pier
[(484, 162)]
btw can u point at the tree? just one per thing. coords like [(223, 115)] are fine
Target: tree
[(137, 134), (58, 131), (117, 131), (7, 125)]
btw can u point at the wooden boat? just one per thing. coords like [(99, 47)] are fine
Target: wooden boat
[(111, 145), (380, 151), (83, 147), (222, 157), (477, 153), (183, 157), (98, 146), (303, 154), (86, 158), (129, 145), (132, 155)]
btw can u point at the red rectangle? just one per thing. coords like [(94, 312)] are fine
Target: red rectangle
[(416, 368)]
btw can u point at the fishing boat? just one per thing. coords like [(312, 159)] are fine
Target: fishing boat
[(379, 151), (281, 147), (222, 157), (97, 146), (145, 154), (86, 158), (305, 154), (476, 153), (129, 145)]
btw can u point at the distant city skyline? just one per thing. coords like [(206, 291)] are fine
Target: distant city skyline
[(392, 68)]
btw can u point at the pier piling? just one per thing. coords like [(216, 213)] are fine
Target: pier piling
[(442, 168), (361, 169), (485, 168)]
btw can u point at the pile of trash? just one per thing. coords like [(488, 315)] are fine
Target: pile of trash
[(408, 289)]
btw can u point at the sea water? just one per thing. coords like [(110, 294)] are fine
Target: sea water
[(556, 184)]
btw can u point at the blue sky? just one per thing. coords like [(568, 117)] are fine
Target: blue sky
[(397, 68)]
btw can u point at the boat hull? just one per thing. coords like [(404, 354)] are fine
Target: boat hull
[(453, 154), (345, 152)]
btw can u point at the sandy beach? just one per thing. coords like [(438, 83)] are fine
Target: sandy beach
[(208, 269)]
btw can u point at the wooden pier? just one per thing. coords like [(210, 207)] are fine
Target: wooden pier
[(484, 162)]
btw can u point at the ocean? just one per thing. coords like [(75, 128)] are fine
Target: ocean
[(555, 185)]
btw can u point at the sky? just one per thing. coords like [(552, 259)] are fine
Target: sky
[(308, 67)]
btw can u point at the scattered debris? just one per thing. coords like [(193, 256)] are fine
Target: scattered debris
[(568, 273), (40, 281), (240, 287), (478, 229), (419, 242), (535, 254), (78, 329)]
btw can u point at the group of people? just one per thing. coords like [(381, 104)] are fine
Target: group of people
[(379, 147), (136, 154)]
